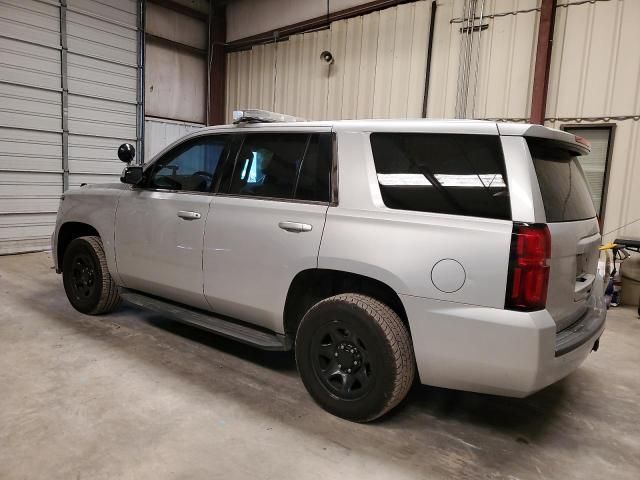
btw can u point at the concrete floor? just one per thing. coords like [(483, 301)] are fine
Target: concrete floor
[(132, 395)]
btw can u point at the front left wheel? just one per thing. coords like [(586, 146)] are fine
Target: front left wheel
[(355, 356), (87, 281)]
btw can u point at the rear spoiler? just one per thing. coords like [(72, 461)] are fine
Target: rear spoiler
[(575, 143)]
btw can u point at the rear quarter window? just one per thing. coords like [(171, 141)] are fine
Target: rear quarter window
[(565, 192), (442, 173)]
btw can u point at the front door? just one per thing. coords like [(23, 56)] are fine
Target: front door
[(160, 225), (266, 226)]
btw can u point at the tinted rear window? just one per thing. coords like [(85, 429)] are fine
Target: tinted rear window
[(565, 192), (442, 173)]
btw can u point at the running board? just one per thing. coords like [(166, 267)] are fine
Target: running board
[(208, 321)]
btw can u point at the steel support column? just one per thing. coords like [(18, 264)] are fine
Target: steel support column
[(217, 65), (140, 81), (65, 95), (543, 61)]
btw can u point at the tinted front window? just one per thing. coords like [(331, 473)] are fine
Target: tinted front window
[(190, 166), (565, 192), (442, 173)]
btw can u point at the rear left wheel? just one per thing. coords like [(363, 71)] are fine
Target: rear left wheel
[(87, 281), (355, 356)]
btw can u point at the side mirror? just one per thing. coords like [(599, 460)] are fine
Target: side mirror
[(126, 152), (131, 175)]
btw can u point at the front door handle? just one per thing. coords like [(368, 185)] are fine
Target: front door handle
[(189, 215), (295, 226)]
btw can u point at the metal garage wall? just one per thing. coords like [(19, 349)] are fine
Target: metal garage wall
[(594, 78), (502, 54), (160, 133), (379, 69), (78, 57), (30, 123), (102, 70), (176, 64)]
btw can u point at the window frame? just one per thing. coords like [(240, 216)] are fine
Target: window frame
[(607, 166), (231, 166), (217, 174)]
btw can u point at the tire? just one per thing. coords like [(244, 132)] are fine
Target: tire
[(355, 356), (87, 281)]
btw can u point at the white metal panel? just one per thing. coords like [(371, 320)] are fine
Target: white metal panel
[(94, 159), (29, 64), (102, 118), (622, 209), (117, 11), (595, 72), (28, 107), (100, 38), (169, 24), (160, 133), (175, 77), (502, 59), (102, 79), (30, 123), (595, 66), (175, 83), (30, 151), (378, 71), (101, 66), (250, 17), (25, 232), (31, 21)]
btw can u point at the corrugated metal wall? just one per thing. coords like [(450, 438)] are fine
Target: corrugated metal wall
[(160, 133), (501, 59), (101, 63), (102, 69), (380, 62), (379, 69), (30, 123), (175, 77), (595, 78)]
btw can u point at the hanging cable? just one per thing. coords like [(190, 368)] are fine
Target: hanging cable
[(475, 81)]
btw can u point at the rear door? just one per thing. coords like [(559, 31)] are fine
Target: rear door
[(572, 222), (267, 226), (160, 225)]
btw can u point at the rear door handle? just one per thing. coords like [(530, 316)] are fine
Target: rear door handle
[(189, 215), (295, 226)]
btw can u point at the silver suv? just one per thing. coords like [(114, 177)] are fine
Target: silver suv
[(465, 251)]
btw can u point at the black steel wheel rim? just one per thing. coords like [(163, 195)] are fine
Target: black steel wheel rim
[(83, 277), (341, 361)]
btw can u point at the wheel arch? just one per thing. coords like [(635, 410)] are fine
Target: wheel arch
[(68, 232), (312, 285)]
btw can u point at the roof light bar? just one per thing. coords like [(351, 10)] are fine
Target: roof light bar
[(262, 116)]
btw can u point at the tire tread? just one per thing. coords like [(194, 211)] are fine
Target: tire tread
[(398, 339), (109, 298)]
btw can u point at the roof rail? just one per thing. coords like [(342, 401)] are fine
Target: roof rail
[(262, 116)]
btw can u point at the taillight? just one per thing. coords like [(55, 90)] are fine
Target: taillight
[(528, 270)]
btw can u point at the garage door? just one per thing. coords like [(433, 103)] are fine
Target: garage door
[(68, 98)]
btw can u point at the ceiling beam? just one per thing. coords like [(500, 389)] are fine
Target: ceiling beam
[(316, 23)]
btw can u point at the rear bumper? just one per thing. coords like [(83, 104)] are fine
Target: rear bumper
[(497, 351), (588, 327)]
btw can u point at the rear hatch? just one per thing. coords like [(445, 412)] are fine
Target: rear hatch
[(572, 223)]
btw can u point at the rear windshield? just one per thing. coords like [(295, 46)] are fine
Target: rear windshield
[(442, 173), (565, 192)]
